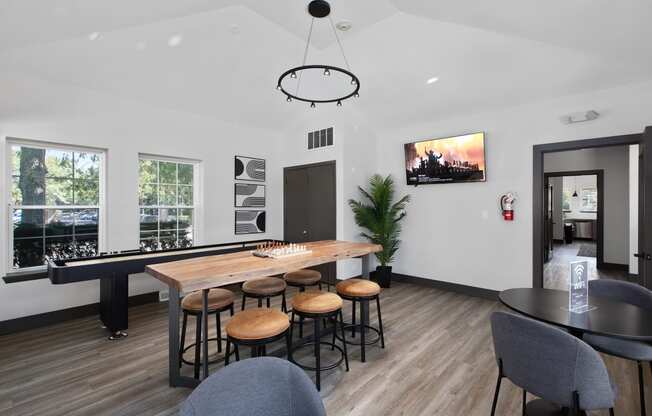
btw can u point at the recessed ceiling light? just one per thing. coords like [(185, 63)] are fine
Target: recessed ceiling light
[(344, 25), (94, 36), (175, 41), (432, 80)]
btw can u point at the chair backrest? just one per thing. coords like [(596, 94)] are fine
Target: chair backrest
[(550, 363), (262, 386), (618, 290)]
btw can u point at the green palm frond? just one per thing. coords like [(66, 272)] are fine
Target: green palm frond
[(380, 216)]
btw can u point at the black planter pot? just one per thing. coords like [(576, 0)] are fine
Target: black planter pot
[(382, 275)]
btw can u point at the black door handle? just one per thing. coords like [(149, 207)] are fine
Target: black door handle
[(643, 256)]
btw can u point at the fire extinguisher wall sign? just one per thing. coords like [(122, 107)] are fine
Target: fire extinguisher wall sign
[(507, 202)]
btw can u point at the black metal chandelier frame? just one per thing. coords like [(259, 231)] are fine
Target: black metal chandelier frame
[(319, 9)]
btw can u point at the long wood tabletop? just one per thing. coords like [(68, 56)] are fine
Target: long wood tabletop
[(212, 271), (204, 273)]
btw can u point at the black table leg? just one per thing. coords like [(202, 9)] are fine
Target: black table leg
[(364, 306), (176, 379), (114, 298), (204, 317)]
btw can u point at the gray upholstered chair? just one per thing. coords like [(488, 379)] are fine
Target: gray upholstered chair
[(631, 350), (551, 364), (264, 386)]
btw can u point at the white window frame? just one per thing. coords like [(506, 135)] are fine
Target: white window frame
[(197, 193), (35, 144)]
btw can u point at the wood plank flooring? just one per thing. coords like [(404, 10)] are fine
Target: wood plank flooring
[(438, 361)]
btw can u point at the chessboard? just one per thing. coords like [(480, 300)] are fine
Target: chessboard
[(280, 250)]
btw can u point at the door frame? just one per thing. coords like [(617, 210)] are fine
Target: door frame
[(309, 165), (538, 152), (600, 215)]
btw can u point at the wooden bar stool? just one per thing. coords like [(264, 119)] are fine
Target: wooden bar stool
[(256, 328), (319, 306), (219, 300), (302, 279), (362, 290), (264, 288)]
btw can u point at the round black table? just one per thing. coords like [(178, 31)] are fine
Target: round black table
[(607, 317)]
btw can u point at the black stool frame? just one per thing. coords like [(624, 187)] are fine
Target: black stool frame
[(363, 326), (258, 346), (198, 336), (260, 298), (302, 288), (316, 342)]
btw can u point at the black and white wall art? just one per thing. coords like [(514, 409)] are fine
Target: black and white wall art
[(249, 195), (249, 222), (249, 169)]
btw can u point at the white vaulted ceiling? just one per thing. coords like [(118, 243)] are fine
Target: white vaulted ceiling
[(231, 52)]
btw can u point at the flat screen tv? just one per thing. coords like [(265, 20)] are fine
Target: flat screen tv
[(446, 160)]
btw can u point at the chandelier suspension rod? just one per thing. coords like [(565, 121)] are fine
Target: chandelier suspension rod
[(305, 55), (346, 61)]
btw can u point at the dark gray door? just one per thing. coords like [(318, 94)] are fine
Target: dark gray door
[(645, 210), (309, 207)]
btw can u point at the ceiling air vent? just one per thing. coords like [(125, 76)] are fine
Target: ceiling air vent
[(320, 138)]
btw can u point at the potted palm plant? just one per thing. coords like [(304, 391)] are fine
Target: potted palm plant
[(381, 217)]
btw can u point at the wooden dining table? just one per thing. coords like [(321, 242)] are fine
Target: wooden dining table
[(208, 272)]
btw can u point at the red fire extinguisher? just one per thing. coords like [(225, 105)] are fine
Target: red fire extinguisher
[(507, 202)]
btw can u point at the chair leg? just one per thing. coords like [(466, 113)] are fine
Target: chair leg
[(641, 387), (260, 302), (231, 309), (228, 352), (380, 323), (218, 328), (183, 338), (244, 301), (317, 353), (301, 327), (198, 341), (497, 392), (353, 320), (268, 303), (237, 351), (319, 285), (284, 306), (524, 402), (611, 411), (288, 343), (346, 353)]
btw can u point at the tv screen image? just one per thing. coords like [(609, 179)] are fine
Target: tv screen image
[(446, 160)]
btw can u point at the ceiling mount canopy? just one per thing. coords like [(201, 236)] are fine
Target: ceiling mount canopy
[(319, 83)]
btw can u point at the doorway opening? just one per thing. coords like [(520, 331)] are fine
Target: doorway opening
[(574, 229), (592, 200)]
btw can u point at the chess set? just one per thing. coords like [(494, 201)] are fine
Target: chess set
[(276, 250)]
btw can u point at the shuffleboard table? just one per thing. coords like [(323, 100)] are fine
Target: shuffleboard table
[(113, 271), (224, 269)]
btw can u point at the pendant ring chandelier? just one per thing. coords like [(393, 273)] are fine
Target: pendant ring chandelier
[(319, 9)]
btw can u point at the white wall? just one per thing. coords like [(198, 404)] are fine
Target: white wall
[(633, 207), (69, 115), (615, 163), (454, 232)]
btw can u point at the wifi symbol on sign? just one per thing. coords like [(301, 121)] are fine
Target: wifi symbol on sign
[(579, 269)]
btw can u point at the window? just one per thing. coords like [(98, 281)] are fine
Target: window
[(55, 204), (589, 200), (566, 204), (167, 203)]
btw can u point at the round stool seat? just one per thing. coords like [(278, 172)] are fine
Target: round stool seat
[(256, 324), (357, 288), (217, 299), (264, 286), (316, 302), (303, 277)]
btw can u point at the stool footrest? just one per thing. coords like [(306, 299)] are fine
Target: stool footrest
[(192, 363), (354, 341), (311, 344)]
